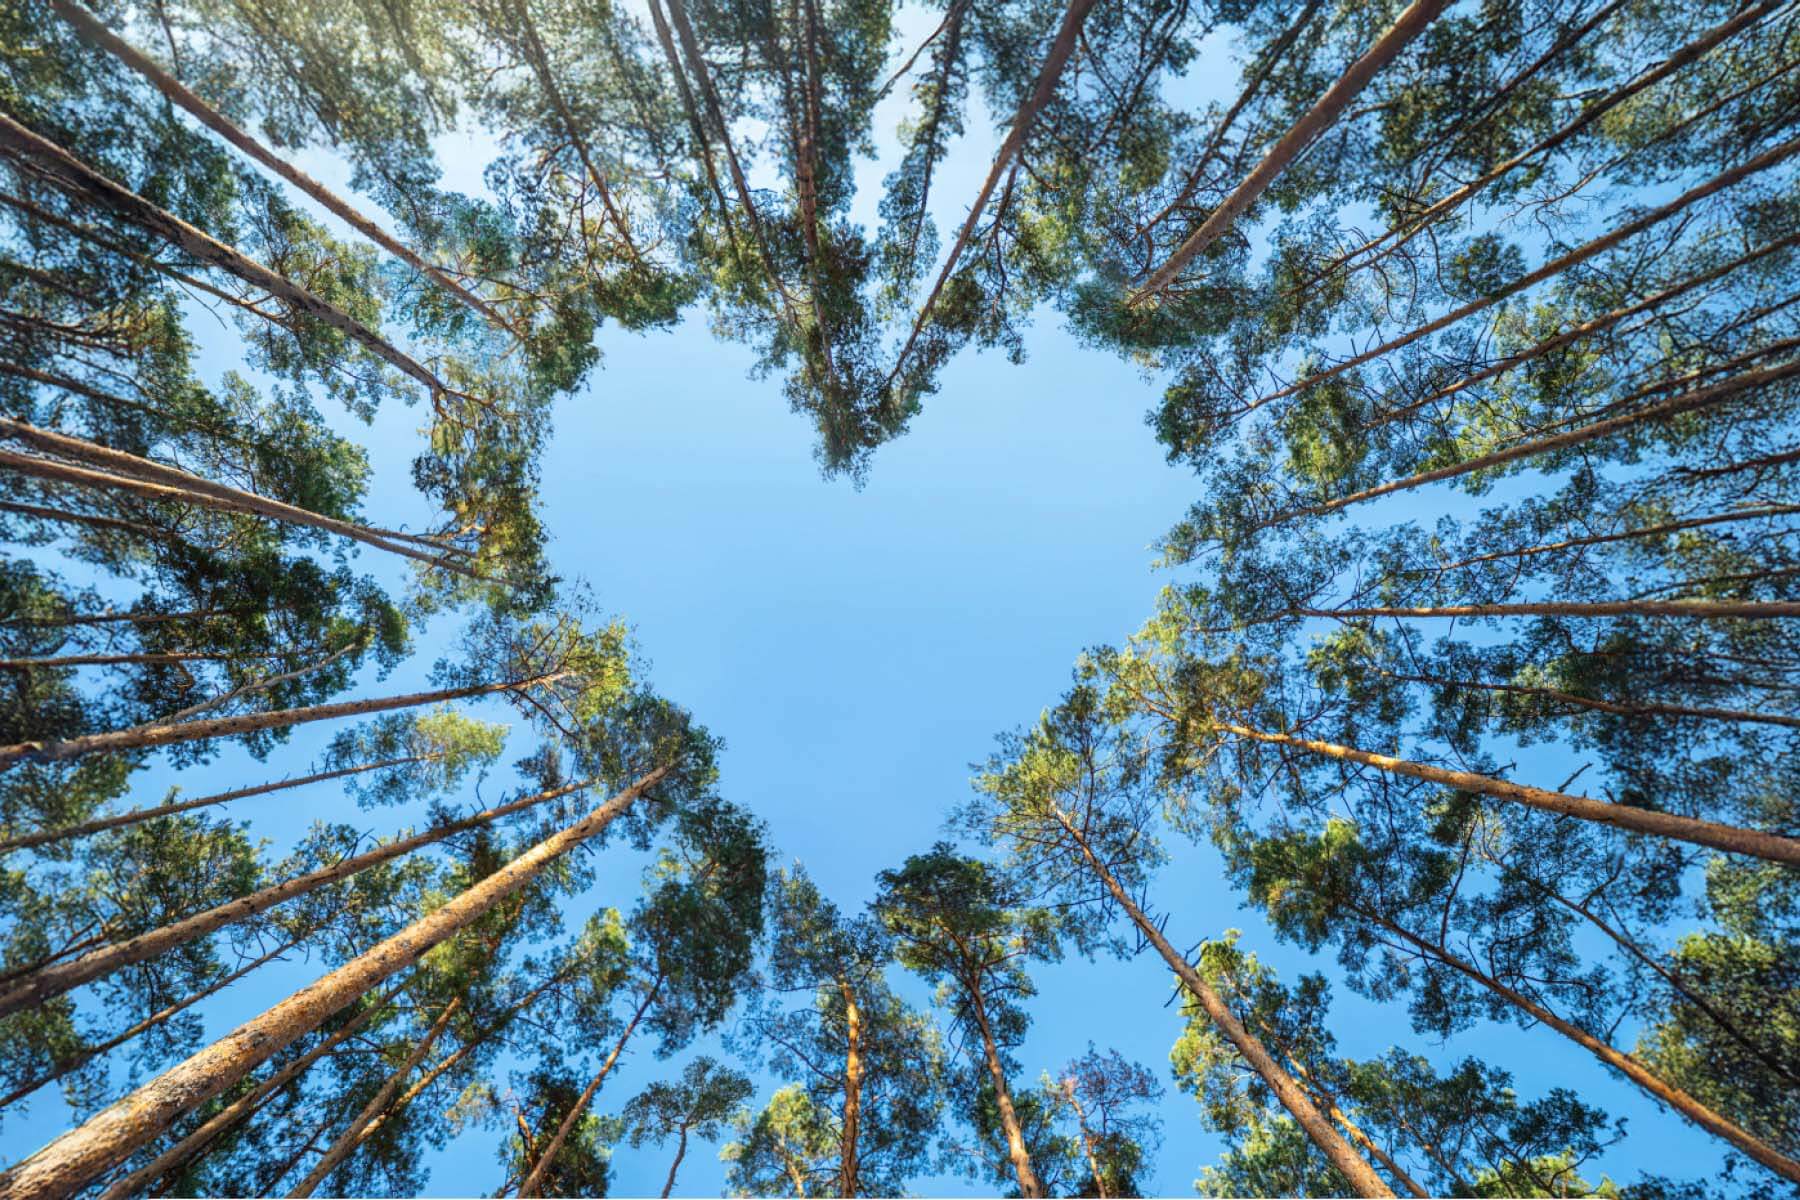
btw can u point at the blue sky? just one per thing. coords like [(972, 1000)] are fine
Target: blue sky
[(858, 650)]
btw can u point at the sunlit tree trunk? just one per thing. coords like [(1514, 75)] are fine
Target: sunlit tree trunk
[(73, 1160), (1292, 1096), (1728, 838), (55, 980)]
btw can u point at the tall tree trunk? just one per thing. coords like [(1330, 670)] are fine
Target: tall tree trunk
[(1677, 61), (1686, 402), (1711, 834), (205, 497), (449, 1061), (1556, 266), (540, 66), (71, 1161), (1575, 333), (96, 32), (690, 45), (1293, 1097), (1029, 1186), (853, 1087), (63, 517), (146, 737), (107, 458), (65, 661), (1323, 114), (134, 618), (1707, 609), (71, 1065), (1712, 1122), (1753, 513), (351, 1137), (53, 981), (1068, 34), (544, 1158), (140, 1181), (1607, 706), (680, 1153), (691, 110), (22, 145), (1087, 1139), (138, 815)]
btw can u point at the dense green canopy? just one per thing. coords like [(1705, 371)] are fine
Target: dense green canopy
[(1530, 266)]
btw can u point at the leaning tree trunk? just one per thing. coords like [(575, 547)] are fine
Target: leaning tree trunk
[(1729, 838), (1554, 267), (351, 1138), (81, 1059), (145, 737), (529, 1187), (1068, 34), (106, 458), (140, 1181), (201, 494), (95, 31), (1715, 609), (1318, 119), (1029, 1186), (449, 1062), (1317, 1127), (78, 179), (73, 1160), (52, 981), (137, 815), (1686, 402), (1688, 1106)]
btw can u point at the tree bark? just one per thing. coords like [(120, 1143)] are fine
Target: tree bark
[(137, 815), (1675, 62), (351, 1138), (1711, 609), (204, 495), (1608, 706), (1575, 333), (1293, 1097), (529, 1187), (64, 661), (1554, 267), (146, 737), (853, 1087), (1406, 27), (71, 1161), (1068, 34), (24, 146), (1728, 838), (1029, 1186), (1690, 401), (107, 458), (680, 1153), (150, 1022), (1689, 1107), (53, 981), (96, 32), (139, 1182)]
